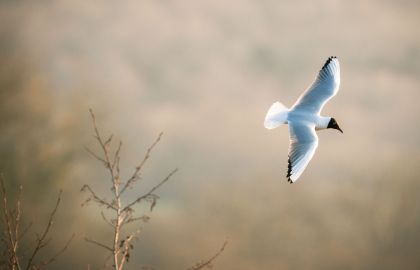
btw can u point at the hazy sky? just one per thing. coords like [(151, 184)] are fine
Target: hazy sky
[(205, 73)]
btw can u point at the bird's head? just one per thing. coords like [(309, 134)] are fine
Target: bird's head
[(333, 124)]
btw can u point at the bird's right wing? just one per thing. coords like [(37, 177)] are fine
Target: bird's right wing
[(322, 89), (303, 143)]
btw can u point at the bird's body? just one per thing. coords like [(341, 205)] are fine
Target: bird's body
[(304, 118), (319, 122)]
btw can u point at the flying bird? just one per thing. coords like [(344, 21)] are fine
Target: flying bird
[(304, 118)]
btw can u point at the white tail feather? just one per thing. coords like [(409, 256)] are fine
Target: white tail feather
[(276, 115)]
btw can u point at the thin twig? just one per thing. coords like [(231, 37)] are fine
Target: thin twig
[(17, 219), (96, 198), (136, 175), (40, 243), (96, 156), (208, 263), (98, 244), (107, 142), (24, 231), (61, 251), (13, 234), (106, 220), (104, 147), (115, 163), (143, 218), (13, 240), (145, 196)]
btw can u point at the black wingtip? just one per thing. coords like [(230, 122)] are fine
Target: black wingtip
[(328, 61), (289, 171)]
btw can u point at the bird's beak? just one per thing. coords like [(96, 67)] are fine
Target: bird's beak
[(339, 129)]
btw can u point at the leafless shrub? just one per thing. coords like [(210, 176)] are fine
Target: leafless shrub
[(123, 214), (12, 235)]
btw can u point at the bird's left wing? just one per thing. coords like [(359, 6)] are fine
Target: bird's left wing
[(322, 89), (303, 143)]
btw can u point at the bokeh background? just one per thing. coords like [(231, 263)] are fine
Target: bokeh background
[(205, 73)]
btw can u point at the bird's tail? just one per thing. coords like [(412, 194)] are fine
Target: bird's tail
[(276, 115)]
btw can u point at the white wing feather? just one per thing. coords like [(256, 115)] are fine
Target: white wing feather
[(324, 87), (276, 115), (303, 143)]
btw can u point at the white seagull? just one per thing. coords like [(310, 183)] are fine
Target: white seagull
[(304, 118)]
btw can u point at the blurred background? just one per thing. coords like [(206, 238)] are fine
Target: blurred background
[(205, 73)]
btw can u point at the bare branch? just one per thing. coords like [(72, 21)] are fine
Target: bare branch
[(145, 196), (107, 142), (41, 240), (137, 171), (123, 215), (24, 231), (107, 220), (17, 218), (104, 148), (116, 161), (98, 244), (61, 251), (11, 233), (208, 263), (126, 244), (96, 156), (96, 198), (143, 218)]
